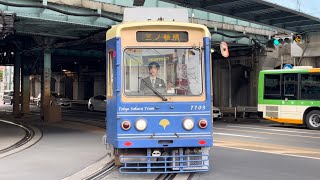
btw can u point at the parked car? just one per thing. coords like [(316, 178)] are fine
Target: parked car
[(60, 100), (97, 103), (8, 97), (216, 113)]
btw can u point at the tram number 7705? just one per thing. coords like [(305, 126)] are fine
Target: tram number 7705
[(195, 107)]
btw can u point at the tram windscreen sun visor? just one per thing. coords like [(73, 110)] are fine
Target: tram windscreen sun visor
[(162, 36)]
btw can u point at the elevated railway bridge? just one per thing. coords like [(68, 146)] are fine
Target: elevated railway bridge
[(59, 45)]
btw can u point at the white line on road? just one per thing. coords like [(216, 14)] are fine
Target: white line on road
[(272, 129), (268, 152), (266, 132), (238, 135)]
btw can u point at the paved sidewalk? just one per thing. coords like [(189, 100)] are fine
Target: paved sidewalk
[(64, 149)]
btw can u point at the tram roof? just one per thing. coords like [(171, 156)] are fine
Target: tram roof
[(115, 31)]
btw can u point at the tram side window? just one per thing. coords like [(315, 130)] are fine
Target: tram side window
[(110, 74), (310, 86), (272, 86), (290, 86)]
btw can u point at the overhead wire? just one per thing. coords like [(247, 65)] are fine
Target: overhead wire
[(60, 10), (256, 44)]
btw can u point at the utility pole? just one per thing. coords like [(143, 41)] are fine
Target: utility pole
[(230, 79), (225, 53)]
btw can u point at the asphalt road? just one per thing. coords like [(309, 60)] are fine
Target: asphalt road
[(246, 150), (264, 151)]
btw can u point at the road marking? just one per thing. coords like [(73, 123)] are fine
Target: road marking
[(238, 135), (272, 129), (182, 176), (271, 149), (281, 134)]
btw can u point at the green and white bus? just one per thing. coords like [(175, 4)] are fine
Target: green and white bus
[(290, 95)]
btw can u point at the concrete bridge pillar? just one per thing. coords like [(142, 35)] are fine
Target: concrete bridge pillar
[(45, 84), (25, 87), (16, 84)]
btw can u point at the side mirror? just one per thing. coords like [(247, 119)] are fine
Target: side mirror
[(224, 49)]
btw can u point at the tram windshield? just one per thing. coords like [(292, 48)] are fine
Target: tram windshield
[(170, 72)]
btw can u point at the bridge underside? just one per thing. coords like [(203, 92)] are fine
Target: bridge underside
[(60, 44), (260, 12), (52, 51)]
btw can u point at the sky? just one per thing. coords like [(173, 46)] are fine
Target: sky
[(310, 7)]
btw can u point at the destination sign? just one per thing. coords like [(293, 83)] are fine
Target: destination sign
[(162, 36)]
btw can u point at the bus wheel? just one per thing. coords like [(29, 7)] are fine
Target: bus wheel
[(313, 119)]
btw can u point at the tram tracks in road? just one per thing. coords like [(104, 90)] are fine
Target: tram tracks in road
[(108, 167), (94, 123), (166, 176), (103, 171), (172, 176), (14, 148), (106, 170), (100, 169)]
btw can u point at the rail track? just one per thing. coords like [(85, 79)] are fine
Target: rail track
[(110, 167), (29, 135), (103, 172)]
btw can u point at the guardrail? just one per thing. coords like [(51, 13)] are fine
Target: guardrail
[(240, 111)]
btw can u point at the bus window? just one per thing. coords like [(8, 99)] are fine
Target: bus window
[(310, 86), (272, 86), (290, 86)]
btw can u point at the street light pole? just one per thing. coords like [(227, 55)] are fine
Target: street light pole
[(225, 53), (230, 78)]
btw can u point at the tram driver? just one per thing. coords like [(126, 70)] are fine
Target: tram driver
[(152, 80)]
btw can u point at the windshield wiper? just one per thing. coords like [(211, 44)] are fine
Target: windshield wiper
[(154, 90)]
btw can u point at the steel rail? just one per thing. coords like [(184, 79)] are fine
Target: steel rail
[(27, 137)]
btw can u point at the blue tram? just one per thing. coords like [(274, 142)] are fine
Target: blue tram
[(159, 117)]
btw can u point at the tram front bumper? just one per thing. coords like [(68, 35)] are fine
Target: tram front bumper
[(162, 142)]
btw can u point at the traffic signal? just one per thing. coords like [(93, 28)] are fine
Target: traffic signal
[(282, 40), (224, 49), (276, 41), (297, 38)]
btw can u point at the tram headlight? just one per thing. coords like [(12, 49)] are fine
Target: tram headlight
[(126, 125), (188, 124), (141, 124)]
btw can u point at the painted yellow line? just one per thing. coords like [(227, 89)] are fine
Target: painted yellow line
[(281, 134), (270, 149)]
